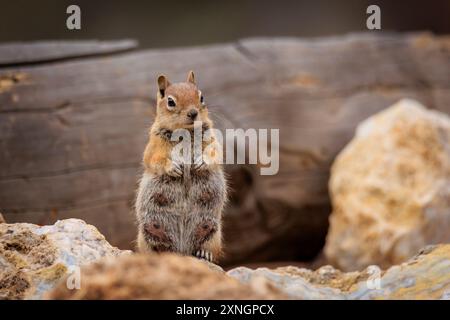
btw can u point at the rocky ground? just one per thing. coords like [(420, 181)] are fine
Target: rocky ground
[(425, 276), (390, 189), (163, 276), (41, 262)]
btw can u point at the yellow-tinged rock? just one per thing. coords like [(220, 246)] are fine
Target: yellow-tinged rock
[(425, 276), (34, 258), (390, 188)]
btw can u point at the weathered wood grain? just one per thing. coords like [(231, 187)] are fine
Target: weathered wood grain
[(51, 51), (72, 133)]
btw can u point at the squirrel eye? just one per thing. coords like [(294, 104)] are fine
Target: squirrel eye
[(202, 100), (171, 102)]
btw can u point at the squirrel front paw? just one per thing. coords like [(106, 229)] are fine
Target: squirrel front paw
[(205, 255), (199, 164), (175, 169)]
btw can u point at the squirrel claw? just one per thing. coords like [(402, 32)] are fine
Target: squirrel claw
[(203, 254), (176, 170), (198, 163)]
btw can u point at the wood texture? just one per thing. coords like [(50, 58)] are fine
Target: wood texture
[(51, 51), (72, 132)]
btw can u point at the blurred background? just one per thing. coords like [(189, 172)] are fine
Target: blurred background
[(74, 117), (184, 23)]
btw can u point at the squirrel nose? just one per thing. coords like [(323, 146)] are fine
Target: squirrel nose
[(192, 114)]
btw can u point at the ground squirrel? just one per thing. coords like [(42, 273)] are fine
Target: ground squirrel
[(179, 204)]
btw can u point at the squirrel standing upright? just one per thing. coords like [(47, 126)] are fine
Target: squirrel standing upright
[(179, 205)]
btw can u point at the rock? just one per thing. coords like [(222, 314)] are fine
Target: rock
[(426, 276), (160, 276), (390, 188), (34, 258), (289, 280)]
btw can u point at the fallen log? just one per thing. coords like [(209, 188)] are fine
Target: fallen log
[(73, 126)]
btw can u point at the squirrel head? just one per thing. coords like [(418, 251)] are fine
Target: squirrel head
[(180, 104)]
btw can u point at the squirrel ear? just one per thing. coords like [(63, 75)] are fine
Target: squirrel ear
[(163, 83), (191, 77)]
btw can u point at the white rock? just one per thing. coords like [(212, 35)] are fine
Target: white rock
[(34, 258)]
